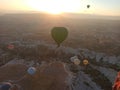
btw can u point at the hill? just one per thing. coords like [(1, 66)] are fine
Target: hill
[(96, 40)]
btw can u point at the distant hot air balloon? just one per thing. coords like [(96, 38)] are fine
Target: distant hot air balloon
[(11, 46), (116, 85), (59, 34), (76, 61), (72, 58), (88, 6), (31, 70), (6, 86), (85, 62)]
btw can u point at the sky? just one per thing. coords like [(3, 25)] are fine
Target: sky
[(100, 7)]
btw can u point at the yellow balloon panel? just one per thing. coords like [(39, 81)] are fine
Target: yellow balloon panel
[(85, 62)]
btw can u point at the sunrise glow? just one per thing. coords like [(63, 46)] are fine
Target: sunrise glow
[(55, 6)]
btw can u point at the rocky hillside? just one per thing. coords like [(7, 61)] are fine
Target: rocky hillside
[(98, 75), (25, 39)]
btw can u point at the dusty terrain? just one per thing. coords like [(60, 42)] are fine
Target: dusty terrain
[(51, 76), (95, 39)]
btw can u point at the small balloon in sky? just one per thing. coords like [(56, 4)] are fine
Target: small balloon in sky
[(31, 70), (88, 6), (59, 34)]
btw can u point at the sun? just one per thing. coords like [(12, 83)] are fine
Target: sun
[(55, 6), (55, 12), (48, 6)]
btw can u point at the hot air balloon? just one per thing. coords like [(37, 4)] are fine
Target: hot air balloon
[(116, 85), (88, 6), (6, 86), (72, 58), (10, 46), (85, 62), (59, 34), (31, 70), (76, 61)]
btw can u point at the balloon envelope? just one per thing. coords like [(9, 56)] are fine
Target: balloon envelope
[(10, 46), (72, 58), (88, 6), (59, 34), (31, 70), (85, 62), (76, 61), (6, 86)]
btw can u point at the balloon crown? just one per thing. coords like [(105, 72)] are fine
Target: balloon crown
[(31, 70)]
